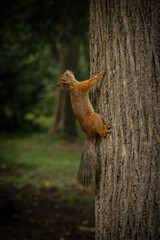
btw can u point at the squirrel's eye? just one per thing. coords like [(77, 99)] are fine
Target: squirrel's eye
[(66, 74)]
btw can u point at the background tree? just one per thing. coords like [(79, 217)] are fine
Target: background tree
[(124, 40), (73, 33), (64, 118)]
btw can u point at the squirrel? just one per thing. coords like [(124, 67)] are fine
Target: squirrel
[(90, 122)]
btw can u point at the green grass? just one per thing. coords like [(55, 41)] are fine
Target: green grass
[(39, 161)]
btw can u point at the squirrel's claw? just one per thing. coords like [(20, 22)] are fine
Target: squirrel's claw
[(108, 125)]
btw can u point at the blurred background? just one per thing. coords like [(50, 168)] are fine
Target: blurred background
[(40, 140)]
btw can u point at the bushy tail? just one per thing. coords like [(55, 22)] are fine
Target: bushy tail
[(86, 173)]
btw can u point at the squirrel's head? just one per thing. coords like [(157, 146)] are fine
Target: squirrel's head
[(66, 81)]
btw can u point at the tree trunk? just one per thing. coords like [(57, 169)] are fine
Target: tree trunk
[(64, 118), (125, 41)]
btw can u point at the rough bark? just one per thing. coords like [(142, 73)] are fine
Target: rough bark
[(64, 118), (125, 41)]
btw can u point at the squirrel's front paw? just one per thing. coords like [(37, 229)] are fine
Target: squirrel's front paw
[(102, 72)]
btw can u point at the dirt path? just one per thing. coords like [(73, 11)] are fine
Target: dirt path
[(40, 214)]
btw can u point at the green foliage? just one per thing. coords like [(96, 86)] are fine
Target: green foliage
[(31, 35), (43, 121), (27, 85)]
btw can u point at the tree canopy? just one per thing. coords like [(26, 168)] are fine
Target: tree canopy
[(31, 34)]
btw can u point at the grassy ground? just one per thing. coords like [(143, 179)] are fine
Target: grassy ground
[(39, 191), (39, 161)]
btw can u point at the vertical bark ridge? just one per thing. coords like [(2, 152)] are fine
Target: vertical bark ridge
[(124, 40)]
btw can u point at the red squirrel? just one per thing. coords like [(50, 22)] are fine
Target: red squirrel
[(91, 122)]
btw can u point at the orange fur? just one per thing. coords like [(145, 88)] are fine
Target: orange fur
[(90, 121)]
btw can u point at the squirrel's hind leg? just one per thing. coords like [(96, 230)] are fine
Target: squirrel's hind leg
[(96, 125), (103, 132)]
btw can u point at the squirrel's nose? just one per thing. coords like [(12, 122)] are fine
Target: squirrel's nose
[(58, 84)]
